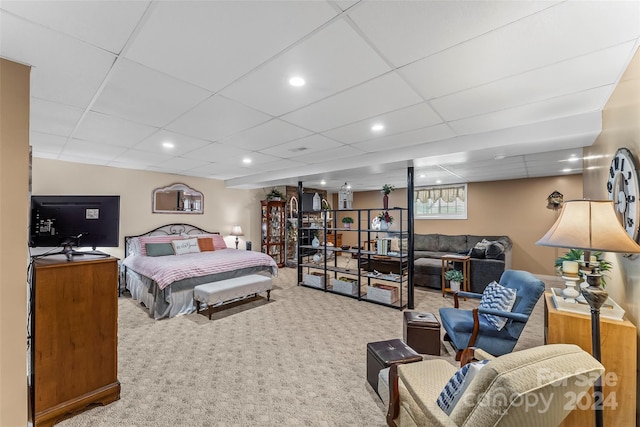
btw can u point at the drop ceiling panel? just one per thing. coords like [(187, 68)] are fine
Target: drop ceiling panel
[(534, 86), (378, 96), (91, 150), (216, 118), (112, 130), (106, 24), (307, 145), (46, 143), (146, 96), (503, 52), (64, 69), (406, 139), (180, 164), (433, 26), (563, 106), (329, 61), (53, 118), (331, 154), (273, 132), (140, 158), (181, 143), (406, 119), (213, 43), (277, 165)]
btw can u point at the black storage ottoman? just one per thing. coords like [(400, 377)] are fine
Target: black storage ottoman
[(382, 354), (421, 332)]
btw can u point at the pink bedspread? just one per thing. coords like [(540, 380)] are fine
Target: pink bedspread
[(165, 270)]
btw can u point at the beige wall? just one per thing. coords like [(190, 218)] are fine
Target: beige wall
[(621, 128), (516, 208), (14, 188), (223, 207)]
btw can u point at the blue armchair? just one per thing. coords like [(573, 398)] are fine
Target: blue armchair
[(466, 328)]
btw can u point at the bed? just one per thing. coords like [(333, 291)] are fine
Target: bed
[(163, 281)]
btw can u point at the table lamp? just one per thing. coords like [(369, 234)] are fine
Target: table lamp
[(591, 225), (237, 231)]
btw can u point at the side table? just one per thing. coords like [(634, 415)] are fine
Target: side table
[(448, 264)]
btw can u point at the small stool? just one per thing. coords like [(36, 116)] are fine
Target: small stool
[(382, 354), (421, 332)]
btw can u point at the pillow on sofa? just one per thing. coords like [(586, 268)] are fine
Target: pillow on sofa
[(494, 250), (479, 250), (458, 383), (497, 297)]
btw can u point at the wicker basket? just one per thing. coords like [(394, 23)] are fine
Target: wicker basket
[(387, 294)]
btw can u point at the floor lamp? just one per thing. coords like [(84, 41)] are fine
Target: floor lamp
[(591, 225)]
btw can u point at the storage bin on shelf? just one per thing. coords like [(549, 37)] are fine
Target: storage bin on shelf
[(315, 279), (387, 294), (345, 285)]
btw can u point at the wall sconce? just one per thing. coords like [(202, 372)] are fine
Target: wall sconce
[(554, 201)]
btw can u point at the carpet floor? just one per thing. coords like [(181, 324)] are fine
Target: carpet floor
[(297, 360)]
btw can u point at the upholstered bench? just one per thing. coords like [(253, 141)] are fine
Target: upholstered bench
[(217, 293)]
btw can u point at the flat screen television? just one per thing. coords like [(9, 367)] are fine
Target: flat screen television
[(81, 221)]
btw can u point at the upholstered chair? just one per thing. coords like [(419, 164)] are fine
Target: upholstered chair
[(533, 387), (472, 328)]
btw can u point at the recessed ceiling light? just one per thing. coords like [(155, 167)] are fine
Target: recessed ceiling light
[(423, 175), (566, 170), (297, 81), (168, 144), (438, 181), (377, 127), (246, 160), (348, 186), (323, 182)]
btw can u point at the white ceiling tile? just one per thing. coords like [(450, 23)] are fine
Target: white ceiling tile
[(53, 118), (146, 96), (83, 160), (64, 69), (179, 164), (410, 30), (405, 119), (46, 143), (91, 150), (106, 24), (342, 152), (181, 143), (405, 139), (212, 43), (277, 165), (216, 118), (563, 106), (545, 83), (310, 144), (378, 96), (139, 157), (503, 52), (112, 130), (265, 135), (331, 60)]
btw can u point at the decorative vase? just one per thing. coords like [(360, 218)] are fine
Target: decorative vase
[(385, 202), (315, 242), (454, 286), (384, 225), (346, 225)]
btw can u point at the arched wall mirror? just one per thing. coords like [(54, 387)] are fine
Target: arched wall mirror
[(177, 198)]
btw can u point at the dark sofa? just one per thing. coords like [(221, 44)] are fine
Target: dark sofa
[(487, 262)]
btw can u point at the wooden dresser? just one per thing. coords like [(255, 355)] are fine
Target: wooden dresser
[(74, 358), (619, 349)]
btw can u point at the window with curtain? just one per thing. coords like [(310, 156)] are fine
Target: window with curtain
[(441, 202)]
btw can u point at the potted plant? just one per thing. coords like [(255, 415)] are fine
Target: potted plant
[(386, 189), (275, 194), (385, 220), (347, 221), (455, 277)]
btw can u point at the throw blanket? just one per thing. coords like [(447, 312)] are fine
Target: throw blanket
[(165, 270)]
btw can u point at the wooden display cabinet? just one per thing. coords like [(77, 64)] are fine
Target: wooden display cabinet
[(273, 229), (619, 350), (74, 358)]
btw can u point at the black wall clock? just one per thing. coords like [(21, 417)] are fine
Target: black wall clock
[(622, 188)]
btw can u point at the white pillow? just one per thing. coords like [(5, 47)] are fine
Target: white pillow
[(458, 383), (185, 246), (497, 297)]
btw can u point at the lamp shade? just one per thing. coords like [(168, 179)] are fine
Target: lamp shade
[(237, 231), (589, 225)]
